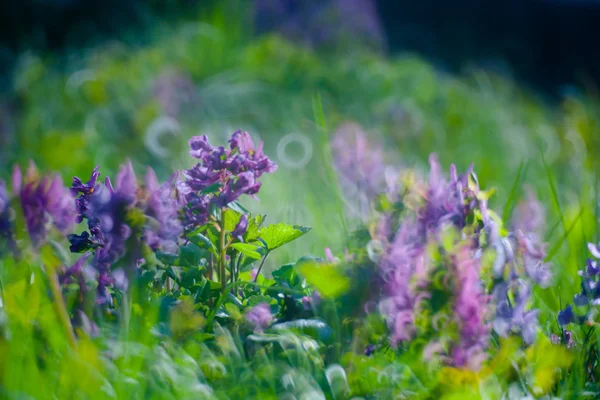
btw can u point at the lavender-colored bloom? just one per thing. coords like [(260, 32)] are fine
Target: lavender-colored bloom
[(240, 228), (534, 255), (45, 201), (449, 201), (260, 317), (228, 173), (6, 234), (398, 268), (529, 216), (566, 339), (105, 208), (163, 227), (514, 317), (175, 91), (471, 310), (360, 167)]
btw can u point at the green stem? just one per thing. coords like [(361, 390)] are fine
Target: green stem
[(223, 274), (60, 307), (261, 265)]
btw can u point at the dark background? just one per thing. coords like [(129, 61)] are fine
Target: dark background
[(545, 43)]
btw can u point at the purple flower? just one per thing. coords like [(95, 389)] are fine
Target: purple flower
[(260, 317), (512, 317), (533, 253), (163, 227), (221, 175), (240, 228), (6, 234), (529, 216), (566, 316), (471, 311), (45, 201), (359, 165), (399, 268), (106, 209)]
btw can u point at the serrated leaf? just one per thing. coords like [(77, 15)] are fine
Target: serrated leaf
[(254, 226), (276, 235), (328, 279), (249, 250)]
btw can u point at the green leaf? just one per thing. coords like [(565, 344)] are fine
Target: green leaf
[(233, 312), (259, 299), (277, 235), (231, 218), (211, 188), (249, 250), (286, 274), (235, 206), (203, 242), (328, 279), (254, 225)]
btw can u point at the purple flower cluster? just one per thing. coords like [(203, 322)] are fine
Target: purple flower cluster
[(414, 279), (162, 205), (524, 248), (398, 268), (222, 175), (6, 235), (471, 309), (260, 317), (45, 202), (449, 202), (108, 210), (590, 290)]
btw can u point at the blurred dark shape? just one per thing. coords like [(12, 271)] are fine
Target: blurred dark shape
[(548, 43), (7, 131), (322, 23), (175, 92)]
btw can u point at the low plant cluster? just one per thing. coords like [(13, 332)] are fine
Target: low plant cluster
[(162, 291)]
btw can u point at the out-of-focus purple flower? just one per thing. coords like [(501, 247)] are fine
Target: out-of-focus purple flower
[(513, 317), (240, 228), (566, 338), (358, 161), (533, 255), (566, 316), (163, 227), (449, 201), (471, 310), (370, 349), (260, 317), (221, 175), (175, 91), (398, 269), (594, 249), (309, 302), (45, 201), (6, 233), (322, 22), (529, 216)]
